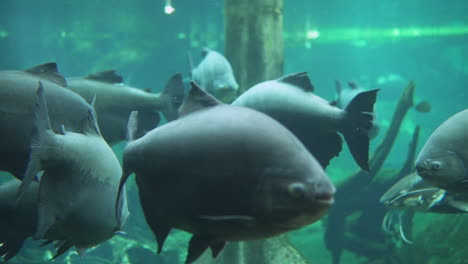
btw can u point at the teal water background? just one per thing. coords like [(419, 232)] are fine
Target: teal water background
[(366, 41)]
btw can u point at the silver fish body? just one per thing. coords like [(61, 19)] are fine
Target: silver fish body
[(225, 173), (115, 101), (17, 97)]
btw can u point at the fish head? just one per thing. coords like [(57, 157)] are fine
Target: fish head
[(291, 202), (444, 170)]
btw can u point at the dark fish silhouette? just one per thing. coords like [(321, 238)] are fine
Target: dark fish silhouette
[(313, 120), (423, 107), (17, 221), (224, 173), (443, 160), (78, 189), (17, 97), (115, 101)]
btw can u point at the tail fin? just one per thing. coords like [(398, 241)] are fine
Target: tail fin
[(40, 127), (358, 123), (173, 96)]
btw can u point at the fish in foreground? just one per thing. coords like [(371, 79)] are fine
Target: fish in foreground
[(115, 101), (224, 173), (443, 160), (17, 97), (78, 189), (412, 193), (313, 120), (214, 73), (17, 221)]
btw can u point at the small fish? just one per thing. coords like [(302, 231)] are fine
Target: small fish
[(115, 101), (214, 73), (17, 221), (423, 107), (224, 173), (443, 160), (78, 189), (312, 119), (17, 95)]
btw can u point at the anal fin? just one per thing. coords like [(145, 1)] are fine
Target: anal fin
[(199, 243)]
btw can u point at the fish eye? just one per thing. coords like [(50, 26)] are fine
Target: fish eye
[(296, 190), (435, 165)]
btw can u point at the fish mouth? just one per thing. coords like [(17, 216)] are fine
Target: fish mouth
[(325, 199)]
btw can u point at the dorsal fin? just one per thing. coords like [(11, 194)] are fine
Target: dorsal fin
[(300, 79), (197, 99), (338, 87), (109, 76), (90, 125), (132, 126), (205, 52), (353, 85), (48, 71)]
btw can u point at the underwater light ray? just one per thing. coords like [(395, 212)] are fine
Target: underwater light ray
[(353, 34)]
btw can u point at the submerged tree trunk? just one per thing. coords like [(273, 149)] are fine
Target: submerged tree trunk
[(254, 40)]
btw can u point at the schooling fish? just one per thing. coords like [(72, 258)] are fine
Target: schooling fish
[(17, 221), (78, 189), (443, 160), (214, 73), (115, 101), (17, 97), (313, 120), (224, 173)]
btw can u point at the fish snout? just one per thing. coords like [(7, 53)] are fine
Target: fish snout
[(422, 168), (324, 192)]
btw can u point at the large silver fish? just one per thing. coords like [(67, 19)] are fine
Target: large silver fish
[(225, 173), (115, 101), (443, 160), (313, 120), (78, 189), (17, 97), (214, 73)]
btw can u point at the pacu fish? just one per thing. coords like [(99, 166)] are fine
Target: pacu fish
[(443, 160), (78, 189), (17, 97), (115, 101), (224, 173), (214, 73), (314, 120)]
